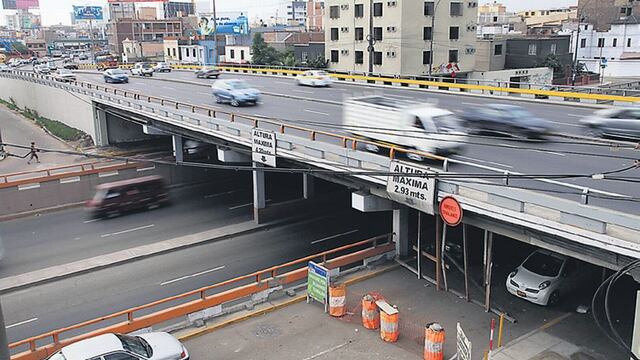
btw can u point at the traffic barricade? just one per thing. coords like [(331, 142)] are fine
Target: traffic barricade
[(370, 311), (337, 300), (389, 317)]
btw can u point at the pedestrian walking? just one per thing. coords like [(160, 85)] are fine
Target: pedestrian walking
[(33, 153)]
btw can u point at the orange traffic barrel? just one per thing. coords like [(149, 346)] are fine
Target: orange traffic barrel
[(434, 342), (389, 316), (370, 312), (337, 300)]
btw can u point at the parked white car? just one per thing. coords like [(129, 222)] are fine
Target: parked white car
[(544, 276), (142, 69), (162, 67), (315, 78), (149, 346)]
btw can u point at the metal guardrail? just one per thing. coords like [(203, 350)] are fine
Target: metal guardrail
[(345, 141), (441, 82), (223, 292), (15, 179)]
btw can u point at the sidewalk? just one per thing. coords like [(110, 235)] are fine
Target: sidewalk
[(298, 330)]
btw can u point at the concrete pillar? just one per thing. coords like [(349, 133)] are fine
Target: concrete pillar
[(178, 148), (635, 341), (401, 231), (308, 186), (259, 192), (100, 122)]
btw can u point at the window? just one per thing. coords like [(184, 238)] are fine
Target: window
[(359, 57), (334, 34), (194, 52), (358, 10), (242, 55), (455, 9), (429, 8), (119, 356), (583, 43), (377, 9), (427, 33), (497, 50), (377, 58), (426, 57), (533, 49), (334, 12), (629, 42), (615, 42), (304, 56), (377, 33), (554, 48), (334, 56), (359, 34), (601, 42), (168, 52), (454, 33), (626, 11), (453, 56), (232, 53)]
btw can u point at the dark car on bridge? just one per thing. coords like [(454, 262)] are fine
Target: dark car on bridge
[(112, 199), (115, 76), (620, 123), (506, 119)]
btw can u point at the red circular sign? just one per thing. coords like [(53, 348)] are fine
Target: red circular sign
[(450, 211)]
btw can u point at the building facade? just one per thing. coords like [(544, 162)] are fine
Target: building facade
[(404, 33), (315, 15), (602, 13), (174, 9), (141, 30), (621, 42), (122, 10), (531, 51), (297, 13)]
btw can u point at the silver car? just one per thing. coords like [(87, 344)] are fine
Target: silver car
[(621, 122)]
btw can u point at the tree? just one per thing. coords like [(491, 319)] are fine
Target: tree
[(288, 58), (552, 61), (318, 63), (263, 54)]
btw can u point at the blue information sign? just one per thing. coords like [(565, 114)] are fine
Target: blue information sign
[(88, 13)]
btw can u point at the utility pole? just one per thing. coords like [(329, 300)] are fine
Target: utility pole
[(215, 33), (372, 41), (93, 57), (575, 56), (433, 34), (4, 343)]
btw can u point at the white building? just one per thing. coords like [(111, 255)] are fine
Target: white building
[(297, 13), (192, 54), (620, 46), (238, 54)]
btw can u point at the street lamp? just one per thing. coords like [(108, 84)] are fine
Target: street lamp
[(433, 34)]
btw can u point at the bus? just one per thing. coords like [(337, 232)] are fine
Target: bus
[(105, 62)]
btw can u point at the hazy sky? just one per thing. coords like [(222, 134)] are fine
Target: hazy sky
[(56, 11)]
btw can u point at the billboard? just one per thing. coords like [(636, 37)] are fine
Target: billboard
[(87, 13), (9, 4), (231, 23), (27, 4)]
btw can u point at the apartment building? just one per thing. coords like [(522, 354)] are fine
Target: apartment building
[(602, 13), (404, 34)]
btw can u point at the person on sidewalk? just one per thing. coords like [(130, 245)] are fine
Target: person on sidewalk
[(33, 153)]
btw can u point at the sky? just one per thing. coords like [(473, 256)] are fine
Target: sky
[(57, 11)]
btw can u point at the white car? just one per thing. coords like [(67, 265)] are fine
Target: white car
[(162, 67), (545, 276), (149, 346), (42, 69), (64, 75), (4, 68), (142, 69), (315, 78)]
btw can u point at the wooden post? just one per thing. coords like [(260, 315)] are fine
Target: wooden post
[(465, 255), (438, 252)]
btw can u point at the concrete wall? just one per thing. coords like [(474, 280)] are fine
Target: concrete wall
[(615, 68), (56, 104), (46, 194)]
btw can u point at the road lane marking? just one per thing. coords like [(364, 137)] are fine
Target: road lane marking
[(192, 275), (316, 112), (90, 221), (168, 88), (128, 231), (204, 93), (245, 205), (21, 323), (334, 236), (574, 115), (549, 152), (565, 124), (282, 82), (484, 161), (220, 194), (322, 353), (303, 91)]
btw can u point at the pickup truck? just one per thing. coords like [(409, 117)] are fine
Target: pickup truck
[(142, 69)]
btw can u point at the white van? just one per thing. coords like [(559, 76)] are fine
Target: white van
[(411, 125)]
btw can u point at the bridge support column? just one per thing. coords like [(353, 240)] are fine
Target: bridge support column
[(401, 231), (488, 267), (259, 193), (100, 122), (178, 149), (635, 340), (308, 186)]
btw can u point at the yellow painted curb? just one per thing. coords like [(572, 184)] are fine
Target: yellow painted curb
[(295, 300)]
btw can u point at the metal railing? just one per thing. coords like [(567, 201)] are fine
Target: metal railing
[(342, 140), (67, 170), (223, 292)]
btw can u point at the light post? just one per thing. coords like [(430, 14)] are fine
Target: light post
[(433, 34)]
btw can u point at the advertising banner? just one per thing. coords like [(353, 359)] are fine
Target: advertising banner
[(9, 4), (27, 4), (88, 13), (229, 23)]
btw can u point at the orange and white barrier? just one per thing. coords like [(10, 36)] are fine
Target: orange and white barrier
[(370, 312), (389, 321), (434, 342), (337, 300)]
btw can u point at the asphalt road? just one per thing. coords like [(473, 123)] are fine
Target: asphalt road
[(42, 308), (557, 156)]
